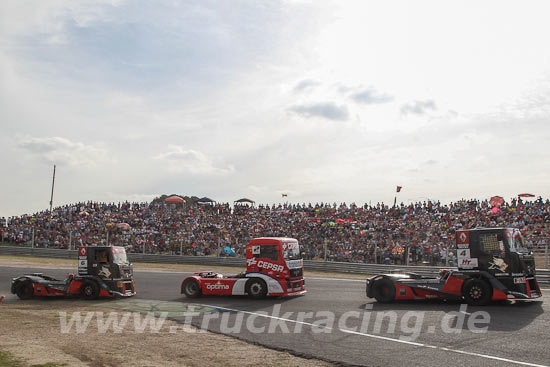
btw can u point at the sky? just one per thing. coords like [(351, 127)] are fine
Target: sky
[(325, 101)]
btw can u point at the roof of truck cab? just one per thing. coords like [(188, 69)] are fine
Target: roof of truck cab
[(281, 239)]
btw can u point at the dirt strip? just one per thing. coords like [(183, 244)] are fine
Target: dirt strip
[(32, 334)]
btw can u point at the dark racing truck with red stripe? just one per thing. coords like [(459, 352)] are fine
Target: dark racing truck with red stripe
[(493, 265), (103, 271), (274, 267)]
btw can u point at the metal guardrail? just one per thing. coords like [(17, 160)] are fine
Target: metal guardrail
[(543, 275)]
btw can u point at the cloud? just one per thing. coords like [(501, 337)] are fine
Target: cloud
[(305, 85), (370, 96), (195, 162), (61, 151), (418, 107), (328, 110)]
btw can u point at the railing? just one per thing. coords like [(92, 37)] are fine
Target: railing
[(543, 275)]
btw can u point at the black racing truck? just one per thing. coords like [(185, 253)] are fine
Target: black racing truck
[(103, 271), (493, 264)]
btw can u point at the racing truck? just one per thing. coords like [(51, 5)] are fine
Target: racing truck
[(493, 264), (103, 271), (274, 267)]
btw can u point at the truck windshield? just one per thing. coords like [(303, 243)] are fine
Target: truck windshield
[(119, 256), (517, 243), (291, 251), (120, 259)]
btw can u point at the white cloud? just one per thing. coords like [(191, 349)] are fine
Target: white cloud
[(370, 96), (418, 107), (327, 110), (179, 159), (61, 151)]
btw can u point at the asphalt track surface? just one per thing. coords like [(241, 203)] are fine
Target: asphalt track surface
[(517, 333)]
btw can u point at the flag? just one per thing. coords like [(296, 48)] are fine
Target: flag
[(284, 195), (399, 188)]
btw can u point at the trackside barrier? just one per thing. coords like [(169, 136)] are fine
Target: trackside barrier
[(543, 275)]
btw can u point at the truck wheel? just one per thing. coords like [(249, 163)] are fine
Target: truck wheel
[(89, 290), (191, 288), (256, 288), (383, 290), (477, 292), (24, 290)]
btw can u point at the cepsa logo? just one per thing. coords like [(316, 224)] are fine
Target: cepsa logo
[(265, 265), (270, 266), (217, 286)]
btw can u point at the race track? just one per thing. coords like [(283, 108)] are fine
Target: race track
[(517, 332)]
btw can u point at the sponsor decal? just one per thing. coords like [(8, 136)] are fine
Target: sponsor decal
[(498, 264), (270, 266), (520, 281), (468, 263), (291, 246), (105, 273), (255, 250), (217, 286), (295, 264), (463, 237), (463, 245), (264, 265), (464, 253), (83, 251), (83, 264)]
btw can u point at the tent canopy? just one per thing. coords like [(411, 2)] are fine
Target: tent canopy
[(245, 200), (526, 195), (205, 200)]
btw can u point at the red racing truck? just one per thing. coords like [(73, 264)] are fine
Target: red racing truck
[(493, 265), (274, 267)]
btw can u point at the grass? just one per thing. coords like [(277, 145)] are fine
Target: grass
[(6, 360)]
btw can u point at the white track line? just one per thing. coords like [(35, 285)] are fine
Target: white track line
[(486, 356)]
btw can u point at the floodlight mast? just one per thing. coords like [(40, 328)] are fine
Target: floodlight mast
[(53, 185)]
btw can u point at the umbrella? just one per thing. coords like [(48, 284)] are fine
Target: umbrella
[(229, 251), (526, 196), (124, 226), (398, 250), (496, 201), (84, 213), (174, 199)]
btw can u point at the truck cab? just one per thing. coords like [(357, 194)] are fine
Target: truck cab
[(274, 267), (500, 255), (109, 265)]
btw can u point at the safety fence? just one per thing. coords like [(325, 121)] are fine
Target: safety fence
[(543, 275)]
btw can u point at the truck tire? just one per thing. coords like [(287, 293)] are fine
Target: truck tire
[(256, 288), (24, 290), (191, 288), (477, 292), (383, 290), (89, 290)]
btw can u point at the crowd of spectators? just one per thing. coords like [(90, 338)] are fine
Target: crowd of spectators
[(424, 230)]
